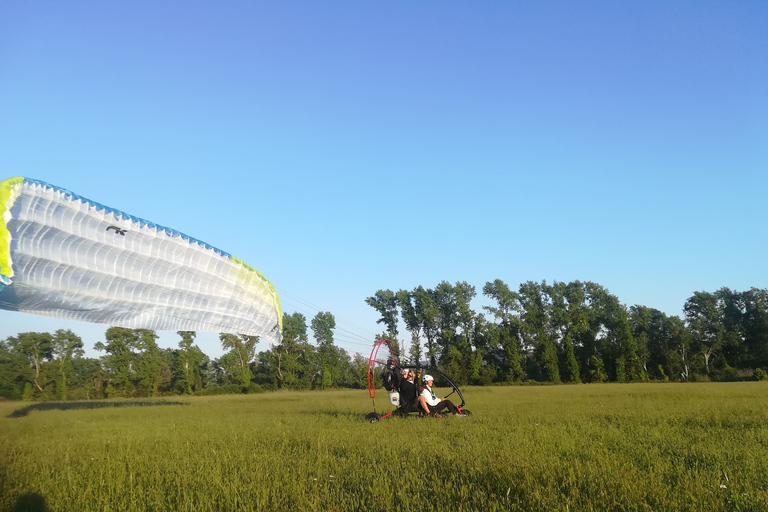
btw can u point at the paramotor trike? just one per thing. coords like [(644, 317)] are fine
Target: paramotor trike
[(384, 369)]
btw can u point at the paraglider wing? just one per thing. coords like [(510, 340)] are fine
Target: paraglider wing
[(65, 256)]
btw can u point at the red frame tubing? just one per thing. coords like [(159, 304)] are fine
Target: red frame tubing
[(372, 363)]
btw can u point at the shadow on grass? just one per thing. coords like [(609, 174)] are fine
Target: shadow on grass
[(67, 406), (30, 502), (337, 414)]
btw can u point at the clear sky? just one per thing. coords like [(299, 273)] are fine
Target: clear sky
[(349, 146)]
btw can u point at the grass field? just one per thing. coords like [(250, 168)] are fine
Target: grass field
[(589, 447)]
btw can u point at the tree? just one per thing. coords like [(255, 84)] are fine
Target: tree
[(536, 331), (455, 322), (413, 321), (186, 362), (328, 354), (596, 369), (666, 341), (289, 365), (88, 378), (625, 346), (165, 376), (703, 317), (639, 319), (149, 363), (358, 372), (242, 350), (608, 336), (201, 364), (37, 347), (385, 302), (508, 330), (732, 309), (297, 362), (119, 360), (323, 325), (14, 372), (754, 326), (446, 300), (65, 346), (567, 320), (133, 362), (428, 313)]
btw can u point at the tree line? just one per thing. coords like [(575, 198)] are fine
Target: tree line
[(577, 332), (557, 333), (44, 366)]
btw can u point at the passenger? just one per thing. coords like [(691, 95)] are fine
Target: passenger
[(431, 404), (408, 391)]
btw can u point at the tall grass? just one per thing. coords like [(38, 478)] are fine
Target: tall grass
[(591, 447)]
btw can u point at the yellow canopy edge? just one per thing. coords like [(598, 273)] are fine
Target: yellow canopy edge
[(6, 198)]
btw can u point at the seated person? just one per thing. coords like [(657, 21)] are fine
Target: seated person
[(429, 402), (408, 392)]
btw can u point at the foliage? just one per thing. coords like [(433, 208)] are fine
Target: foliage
[(65, 347), (539, 332), (328, 355), (32, 350)]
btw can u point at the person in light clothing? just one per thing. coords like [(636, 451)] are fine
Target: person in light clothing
[(430, 403)]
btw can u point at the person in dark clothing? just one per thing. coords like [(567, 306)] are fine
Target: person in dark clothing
[(408, 393)]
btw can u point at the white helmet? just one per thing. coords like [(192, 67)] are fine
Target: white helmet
[(427, 378)]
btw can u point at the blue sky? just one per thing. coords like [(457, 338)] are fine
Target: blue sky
[(345, 147)]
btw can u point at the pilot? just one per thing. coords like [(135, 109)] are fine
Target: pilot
[(408, 391)]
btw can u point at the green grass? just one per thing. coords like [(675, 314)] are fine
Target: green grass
[(588, 447)]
